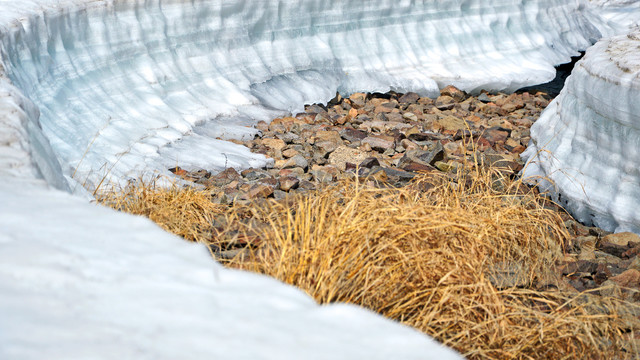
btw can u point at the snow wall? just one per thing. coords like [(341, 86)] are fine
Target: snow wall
[(93, 90), (131, 87), (585, 148)]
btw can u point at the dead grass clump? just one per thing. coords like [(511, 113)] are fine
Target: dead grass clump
[(184, 211), (469, 262)]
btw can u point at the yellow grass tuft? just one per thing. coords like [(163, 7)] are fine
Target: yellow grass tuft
[(470, 262)]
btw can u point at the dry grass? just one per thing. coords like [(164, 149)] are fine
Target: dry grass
[(470, 262)]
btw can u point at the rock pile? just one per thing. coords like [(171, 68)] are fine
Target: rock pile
[(387, 138)]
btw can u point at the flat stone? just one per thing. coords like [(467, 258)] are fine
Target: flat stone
[(296, 161), (289, 183), (453, 92), (629, 278), (409, 98), (423, 157), (450, 123), (445, 103), (259, 191), (379, 143), (353, 135), (343, 155), (223, 178), (622, 239)]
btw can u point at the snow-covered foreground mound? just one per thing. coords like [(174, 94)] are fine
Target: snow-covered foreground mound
[(587, 142), (80, 281), (92, 89)]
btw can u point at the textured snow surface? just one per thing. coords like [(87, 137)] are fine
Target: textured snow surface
[(131, 87), (587, 142), (84, 282)]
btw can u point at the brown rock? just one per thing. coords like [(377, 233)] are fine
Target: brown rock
[(288, 183), (343, 155), (445, 103), (223, 178), (622, 239), (379, 143), (453, 92), (275, 144), (450, 123), (629, 279), (409, 98), (496, 135), (353, 135), (296, 161), (259, 191)]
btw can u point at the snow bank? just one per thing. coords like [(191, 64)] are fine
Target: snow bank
[(131, 87), (587, 142), (81, 281)]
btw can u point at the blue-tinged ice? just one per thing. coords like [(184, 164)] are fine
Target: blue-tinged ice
[(123, 87)]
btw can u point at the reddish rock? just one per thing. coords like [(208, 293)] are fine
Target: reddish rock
[(223, 178), (288, 183), (453, 92), (512, 103), (259, 191), (629, 279)]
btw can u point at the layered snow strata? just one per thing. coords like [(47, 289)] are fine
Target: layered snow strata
[(126, 88), (586, 144)]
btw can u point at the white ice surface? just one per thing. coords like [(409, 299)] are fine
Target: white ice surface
[(79, 281), (97, 88), (587, 142), (120, 85)]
